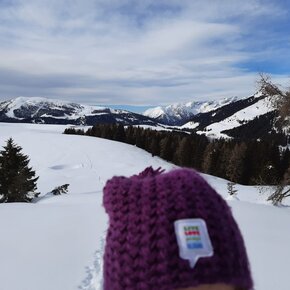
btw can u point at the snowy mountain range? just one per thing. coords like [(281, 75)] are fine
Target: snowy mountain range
[(250, 117), (48, 111), (180, 113)]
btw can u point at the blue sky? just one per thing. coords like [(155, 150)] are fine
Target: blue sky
[(141, 53)]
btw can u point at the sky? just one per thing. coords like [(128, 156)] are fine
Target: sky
[(141, 53)]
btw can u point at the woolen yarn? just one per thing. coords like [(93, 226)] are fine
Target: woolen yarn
[(141, 251)]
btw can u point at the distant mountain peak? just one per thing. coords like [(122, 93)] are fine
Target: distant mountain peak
[(180, 113)]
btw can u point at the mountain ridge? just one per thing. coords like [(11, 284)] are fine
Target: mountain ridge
[(50, 111), (178, 114), (250, 117)]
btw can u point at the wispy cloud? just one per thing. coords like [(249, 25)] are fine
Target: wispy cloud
[(138, 52)]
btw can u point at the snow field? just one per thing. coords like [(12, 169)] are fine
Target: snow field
[(56, 243)]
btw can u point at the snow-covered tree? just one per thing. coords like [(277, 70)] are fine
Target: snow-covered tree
[(17, 179)]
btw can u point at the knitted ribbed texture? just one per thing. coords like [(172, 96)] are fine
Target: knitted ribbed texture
[(141, 250)]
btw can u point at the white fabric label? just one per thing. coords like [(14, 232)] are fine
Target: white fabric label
[(193, 240)]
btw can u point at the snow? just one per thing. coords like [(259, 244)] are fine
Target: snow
[(40, 102), (51, 244), (258, 94), (239, 118), (190, 125), (154, 112), (57, 242), (157, 128), (185, 110)]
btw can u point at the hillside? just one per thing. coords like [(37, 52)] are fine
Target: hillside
[(236, 115), (253, 117), (57, 242), (49, 111)]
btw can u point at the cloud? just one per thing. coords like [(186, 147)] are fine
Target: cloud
[(135, 52)]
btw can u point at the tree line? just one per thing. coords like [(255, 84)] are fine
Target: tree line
[(252, 162)]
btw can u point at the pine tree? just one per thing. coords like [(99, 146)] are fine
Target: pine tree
[(119, 133), (154, 146), (209, 158), (129, 135), (236, 163), (199, 145), (17, 179), (139, 137), (184, 152), (165, 148)]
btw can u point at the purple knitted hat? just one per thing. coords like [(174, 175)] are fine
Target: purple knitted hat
[(142, 250)]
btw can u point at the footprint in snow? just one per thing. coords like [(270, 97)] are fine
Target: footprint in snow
[(94, 278)]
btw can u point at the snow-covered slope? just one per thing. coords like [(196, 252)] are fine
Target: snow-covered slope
[(43, 110), (254, 117), (249, 118), (53, 243), (180, 113), (57, 242), (25, 107), (239, 118)]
